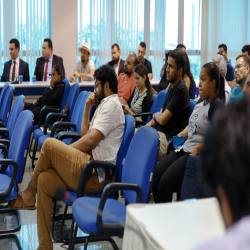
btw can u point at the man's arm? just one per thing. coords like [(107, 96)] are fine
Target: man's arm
[(86, 76), (163, 118), (89, 141), (150, 75), (153, 122)]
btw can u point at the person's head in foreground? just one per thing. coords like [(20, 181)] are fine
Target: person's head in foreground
[(105, 83), (211, 83), (226, 170)]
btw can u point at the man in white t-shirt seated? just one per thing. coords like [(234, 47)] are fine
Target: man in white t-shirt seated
[(221, 63), (86, 67)]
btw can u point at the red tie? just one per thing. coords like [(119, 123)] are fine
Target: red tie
[(13, 71), (46, 70)]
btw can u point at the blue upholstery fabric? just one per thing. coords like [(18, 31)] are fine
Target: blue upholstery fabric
[(4, 184), (16, 109), (3, 92), (87, 220), (20, 142), (65, 93), (5, 108)]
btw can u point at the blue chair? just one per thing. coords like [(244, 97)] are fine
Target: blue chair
[(193, 91), (17, 108), (196, 92), (192, 104), (6, 105), (127, 137), (38, 132), (138, 167), (3, 92), (16, 164), (156, 106)]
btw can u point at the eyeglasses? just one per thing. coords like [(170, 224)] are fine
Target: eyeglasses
[(239, 66)]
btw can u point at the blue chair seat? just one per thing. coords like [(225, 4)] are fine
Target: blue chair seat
[(5, 182), (37, 133), (87, 220), (44, 137), (35, 127)]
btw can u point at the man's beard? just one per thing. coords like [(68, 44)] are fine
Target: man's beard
[(173, 79), (82, 60), (128, 73), (99, 98), (115, 60)]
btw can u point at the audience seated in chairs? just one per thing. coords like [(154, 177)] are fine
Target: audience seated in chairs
[(242, 71), (193, 183), (221, 63), (126, 80), (225, 168), (142, 97), (174, 114), (100, 140), (52, 94), (168, 174)]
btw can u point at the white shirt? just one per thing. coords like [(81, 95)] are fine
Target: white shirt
[(116, 67), (16, 69), (228, 92), (109, 120), (79, 68), (49, 69)]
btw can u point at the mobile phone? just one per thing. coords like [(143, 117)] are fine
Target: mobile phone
[(178, 141)]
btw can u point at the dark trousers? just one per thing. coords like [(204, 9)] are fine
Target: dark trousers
[(34, 109), (193, 184), (168, 176)]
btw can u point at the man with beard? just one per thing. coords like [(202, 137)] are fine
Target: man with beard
[(126, 80), (174, 114), (242, 71), (85, 67), (101, 140), (117, 63)]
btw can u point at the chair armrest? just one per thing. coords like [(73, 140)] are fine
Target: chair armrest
[(45, 110), (49, 117), (2, 125), (110, 188), (4, 133), (170, 146), (62, 124), (5, 142), (88, 167), (139, 123), (68, 134), (143, 114), (4, 150), (13, 178)]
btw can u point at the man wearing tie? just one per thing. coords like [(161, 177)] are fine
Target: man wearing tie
[(16, 66), (45, 63)]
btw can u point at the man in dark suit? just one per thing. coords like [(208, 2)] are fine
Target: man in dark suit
[(15, 67), (45, 63), (117, 63)]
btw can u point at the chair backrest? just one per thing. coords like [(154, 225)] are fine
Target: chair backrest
[(79, 109), (192, 104), (20, 142), (72, 96), (153, 107), (193, 91), (159, 101), (140, 162), (3, 92), (16, 109), (127, 137), (5, 109), (65, 93), (196, 92)]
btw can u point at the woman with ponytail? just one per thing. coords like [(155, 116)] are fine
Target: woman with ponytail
[(142, 97), (169, 173)]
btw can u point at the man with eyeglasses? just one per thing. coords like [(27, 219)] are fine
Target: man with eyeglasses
[(16, 66), (242, 71), (101, 140)]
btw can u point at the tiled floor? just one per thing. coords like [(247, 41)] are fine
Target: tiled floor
[(28, 233)]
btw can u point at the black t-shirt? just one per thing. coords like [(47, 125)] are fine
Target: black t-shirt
[(148, 65), (178, 103)]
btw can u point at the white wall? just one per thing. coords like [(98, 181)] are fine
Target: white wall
[(64, 33)]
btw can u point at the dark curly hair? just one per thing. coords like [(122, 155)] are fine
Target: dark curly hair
[(225, 159), (107, 74)]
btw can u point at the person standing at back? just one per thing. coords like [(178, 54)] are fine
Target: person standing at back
[(45, 63), (16, 66)]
